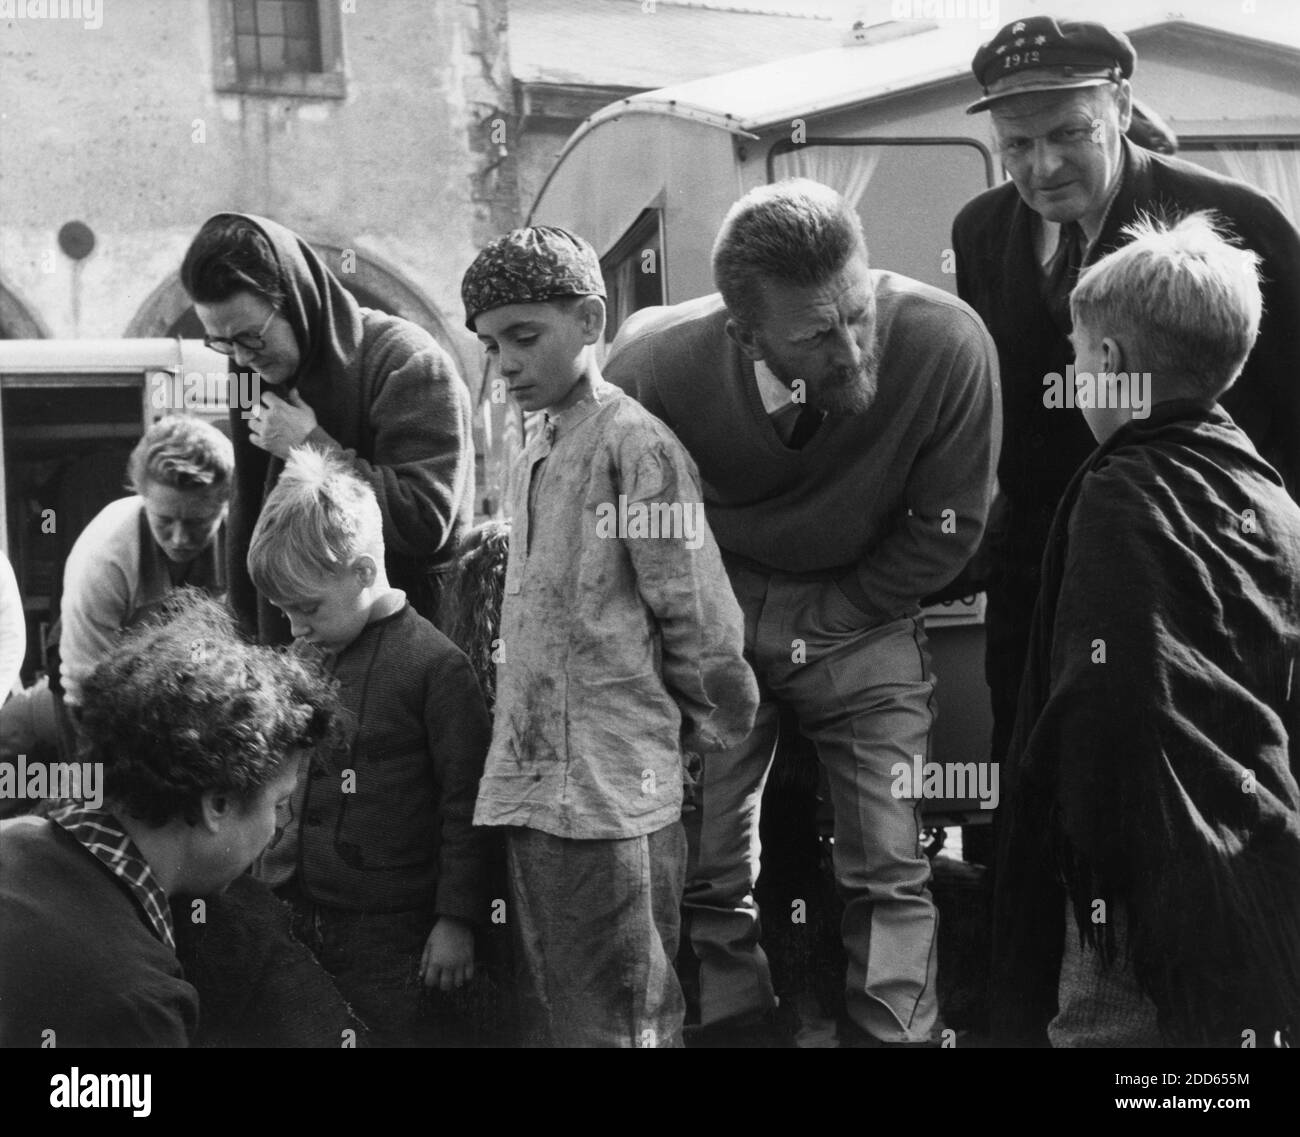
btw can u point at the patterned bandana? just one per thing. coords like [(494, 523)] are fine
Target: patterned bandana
[(104, 839), (528, 266)]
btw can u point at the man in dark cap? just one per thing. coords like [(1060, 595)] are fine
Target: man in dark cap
[(1059, 96)]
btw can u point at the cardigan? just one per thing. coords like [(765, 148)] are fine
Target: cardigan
[(114, 577)]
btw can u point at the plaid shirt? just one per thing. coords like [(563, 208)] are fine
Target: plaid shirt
[(100, 833)]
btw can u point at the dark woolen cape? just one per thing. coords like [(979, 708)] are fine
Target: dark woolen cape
[(1160, 777), (391, 399), (257, 985)]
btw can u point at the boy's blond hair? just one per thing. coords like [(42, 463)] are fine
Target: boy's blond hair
[(1187, 302), (314, 525)]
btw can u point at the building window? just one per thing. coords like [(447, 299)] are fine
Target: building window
[(278, 47), (274, 36), (634, 271)]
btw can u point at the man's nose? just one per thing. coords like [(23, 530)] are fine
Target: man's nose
[(297, 626), (509, 364), (1048, 159), (845, 349), (241, 355)]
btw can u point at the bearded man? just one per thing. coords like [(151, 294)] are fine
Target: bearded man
[(846, 426)]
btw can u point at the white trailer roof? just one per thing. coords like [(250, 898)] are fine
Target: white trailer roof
[(913, 55)]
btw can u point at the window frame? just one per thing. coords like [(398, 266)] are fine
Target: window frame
[(628, 247), (329, 83)]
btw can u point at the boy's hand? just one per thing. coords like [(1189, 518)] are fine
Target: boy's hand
[(448, 954)]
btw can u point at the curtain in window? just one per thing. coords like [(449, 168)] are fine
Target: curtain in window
[(1275, 170), (847, 169)]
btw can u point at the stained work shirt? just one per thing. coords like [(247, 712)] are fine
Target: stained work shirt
[(621, 641)]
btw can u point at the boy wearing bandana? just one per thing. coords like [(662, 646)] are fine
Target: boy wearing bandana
[(621, 645)]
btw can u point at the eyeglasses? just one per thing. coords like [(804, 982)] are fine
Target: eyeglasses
[(254, 342)]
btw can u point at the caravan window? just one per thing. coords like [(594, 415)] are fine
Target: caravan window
[(906, 190), (634, 271), (1272, 165)]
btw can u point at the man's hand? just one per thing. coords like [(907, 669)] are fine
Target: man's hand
[(278, 425), (448, 954)]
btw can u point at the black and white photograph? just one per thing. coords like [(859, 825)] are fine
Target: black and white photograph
[(637, 524)]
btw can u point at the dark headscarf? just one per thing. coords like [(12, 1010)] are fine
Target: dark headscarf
[(326, 322)]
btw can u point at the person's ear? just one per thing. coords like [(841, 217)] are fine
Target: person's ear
[(744, 338), (214, 809), (591, 315), (1112, 355), (1124, 105), (366, 570)]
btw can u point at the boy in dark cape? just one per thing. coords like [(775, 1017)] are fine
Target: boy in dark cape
[(1148, 887)]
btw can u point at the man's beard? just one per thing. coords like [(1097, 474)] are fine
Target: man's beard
[(843, 391), (847, 391)]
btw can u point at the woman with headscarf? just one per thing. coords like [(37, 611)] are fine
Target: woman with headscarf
[(374, 387)]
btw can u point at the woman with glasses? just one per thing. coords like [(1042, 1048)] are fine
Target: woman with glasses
[(329, 373)]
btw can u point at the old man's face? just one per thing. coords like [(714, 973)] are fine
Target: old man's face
[(822, 336), (1062, 148)]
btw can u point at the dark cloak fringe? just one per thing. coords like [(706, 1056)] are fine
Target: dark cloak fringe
[(1213, 939)]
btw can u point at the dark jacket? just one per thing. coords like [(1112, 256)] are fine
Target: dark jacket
[(398, 835), (77, 956), (998, 275)]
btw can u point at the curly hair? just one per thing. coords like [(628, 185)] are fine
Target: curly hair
[(184, 707), (471, 604), (230, 254), (183, 452)]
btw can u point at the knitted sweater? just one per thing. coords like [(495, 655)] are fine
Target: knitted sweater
[(77, 956), (894, 499), (397, 834)]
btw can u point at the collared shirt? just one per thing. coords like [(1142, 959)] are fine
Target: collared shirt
[(102, 836), (1049, 232), (779, 402), (621, 641), (774, 393)]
